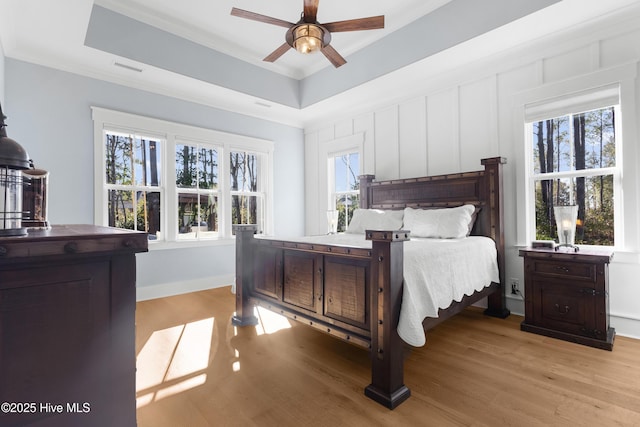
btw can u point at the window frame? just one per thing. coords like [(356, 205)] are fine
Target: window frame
[(134, 187), (333, 194), (198, 191), (627, 237), (260, 193), (173, 134), (615, 171)]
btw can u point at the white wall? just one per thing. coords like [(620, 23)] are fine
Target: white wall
[(51, 118), (468, 113), (1, 73)]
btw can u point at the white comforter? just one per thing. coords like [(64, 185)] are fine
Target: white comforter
[(436, 273)]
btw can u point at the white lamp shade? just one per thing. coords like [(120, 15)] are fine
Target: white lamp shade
[(566, 217)]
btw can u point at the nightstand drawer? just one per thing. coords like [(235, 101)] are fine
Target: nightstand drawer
[(575, 270)]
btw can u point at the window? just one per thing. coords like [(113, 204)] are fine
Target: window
[(247, 199), (573, 162), (344, 170), (220, 179), (132, 181), (197, 188)]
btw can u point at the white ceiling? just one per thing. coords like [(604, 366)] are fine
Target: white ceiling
[(210, 23), (52, 33)]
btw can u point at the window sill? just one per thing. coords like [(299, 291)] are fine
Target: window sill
[(181, 244)]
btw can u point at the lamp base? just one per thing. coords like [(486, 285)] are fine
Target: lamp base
[(13, 232), (567, 245), (36, 225)]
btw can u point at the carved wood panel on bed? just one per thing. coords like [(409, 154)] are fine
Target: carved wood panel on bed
[(354, 293)]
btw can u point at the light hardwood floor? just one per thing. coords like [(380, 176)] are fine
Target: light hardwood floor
[(196, 369)]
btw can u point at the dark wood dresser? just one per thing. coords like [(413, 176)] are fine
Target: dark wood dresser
[(567, 295), (67, 326)]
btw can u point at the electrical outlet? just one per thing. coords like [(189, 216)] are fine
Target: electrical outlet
[(515, 286)]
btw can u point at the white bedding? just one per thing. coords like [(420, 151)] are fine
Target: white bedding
[(436, 273)]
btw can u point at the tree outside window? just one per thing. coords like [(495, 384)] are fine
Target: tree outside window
[(574, 163)]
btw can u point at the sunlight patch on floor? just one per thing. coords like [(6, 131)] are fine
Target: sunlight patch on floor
[(236, 364), (270, 322), (171, 359)]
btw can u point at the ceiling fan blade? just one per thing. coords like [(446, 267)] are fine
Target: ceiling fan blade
[(310, 11), (241, 13), (333, 56), (277, 53), (370, 23)]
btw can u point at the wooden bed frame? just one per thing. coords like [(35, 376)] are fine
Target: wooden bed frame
[(355, 294)]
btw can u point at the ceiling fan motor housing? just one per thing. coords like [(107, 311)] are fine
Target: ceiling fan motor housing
[(308, 37)]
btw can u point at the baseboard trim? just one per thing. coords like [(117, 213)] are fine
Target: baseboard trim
[(163, 290), (626, 325)]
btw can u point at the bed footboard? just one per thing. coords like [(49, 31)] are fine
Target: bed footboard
[(351, 293)]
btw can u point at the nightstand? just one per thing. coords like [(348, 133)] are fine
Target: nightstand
[(567, 295)]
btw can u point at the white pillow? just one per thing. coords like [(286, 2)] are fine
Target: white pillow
[(447, 223), (374, 219)]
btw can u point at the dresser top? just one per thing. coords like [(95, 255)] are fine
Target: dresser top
[(565, 254), (72, 240)]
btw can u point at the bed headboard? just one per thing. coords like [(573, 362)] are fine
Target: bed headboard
[(482, 188)]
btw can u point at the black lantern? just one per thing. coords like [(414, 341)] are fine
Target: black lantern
[(13, 160)]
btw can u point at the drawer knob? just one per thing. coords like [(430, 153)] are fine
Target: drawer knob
[(71, 248), (562, 268), (562, 310)]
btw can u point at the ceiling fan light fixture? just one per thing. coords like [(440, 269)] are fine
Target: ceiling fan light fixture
[(307, 38)]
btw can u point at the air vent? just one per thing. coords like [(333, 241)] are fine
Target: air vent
[(128, 67)]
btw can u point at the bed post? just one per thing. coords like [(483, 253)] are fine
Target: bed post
[(244, 275), (387, 358), (497, 304), (365, 183)]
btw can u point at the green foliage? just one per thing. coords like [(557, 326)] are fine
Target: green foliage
[(345, 205)]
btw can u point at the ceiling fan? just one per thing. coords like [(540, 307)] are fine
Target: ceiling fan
[(308, 35)]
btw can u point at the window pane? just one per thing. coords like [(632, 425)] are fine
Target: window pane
[(119, 159), (244, 209), (594, 197), (148, 212), (208, 168), (121, 209), (147, 162), (599, 139), (187, 213), (186, 173), (208, 226), (244, 172), (197, 220), (576, 142), (145, 217), (551, 145)]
